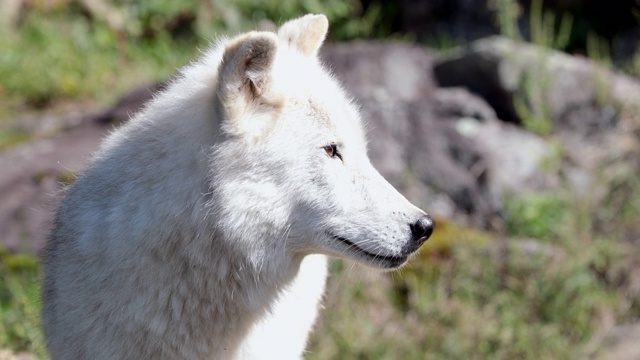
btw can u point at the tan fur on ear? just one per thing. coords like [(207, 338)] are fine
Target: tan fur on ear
[(245, 84), (247, 61), (305, 33)]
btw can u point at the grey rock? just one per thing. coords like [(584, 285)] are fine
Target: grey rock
[(31, 178), (10, 355), (10, 13), (592, 111), (130, 103), (530, 248), (513, 159), (621, 343), (574, 93), (382, 71), (459, 102)]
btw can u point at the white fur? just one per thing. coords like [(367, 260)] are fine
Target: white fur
[(191, 234)]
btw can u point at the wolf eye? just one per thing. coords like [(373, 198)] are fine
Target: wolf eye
[(332, 151)]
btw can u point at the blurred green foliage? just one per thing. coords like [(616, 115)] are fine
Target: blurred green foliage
[(537, 215), (20, 303), (59, 55), (475, 295), (11, 136), (67, 52)]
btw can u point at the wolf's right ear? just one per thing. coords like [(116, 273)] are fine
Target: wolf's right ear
[(245, 72), (305, 33)]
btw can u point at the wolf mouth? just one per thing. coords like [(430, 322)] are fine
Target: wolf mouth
[(394, 260)]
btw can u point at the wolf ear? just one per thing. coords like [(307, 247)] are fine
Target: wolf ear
[(245, 83), (246, 66), (305, 33)]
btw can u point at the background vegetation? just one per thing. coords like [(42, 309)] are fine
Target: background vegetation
[(469, 295)]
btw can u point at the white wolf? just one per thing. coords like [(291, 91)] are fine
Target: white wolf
[(199, 230)]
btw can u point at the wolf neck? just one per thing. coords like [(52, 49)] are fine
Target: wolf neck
[(250, 292)]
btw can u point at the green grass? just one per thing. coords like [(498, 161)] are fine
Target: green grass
[(486, 297), (10, 136), (536, 215), (63, 53), (54, 59), (468, 294), (543, 289), (20, 304)]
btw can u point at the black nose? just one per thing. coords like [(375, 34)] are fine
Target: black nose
[(422, 229)]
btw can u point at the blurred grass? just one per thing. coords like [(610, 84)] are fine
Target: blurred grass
[(64, 52), (59, 56), (467, 295), (475, 295), (548, 287), (10, 136), (20, 303)]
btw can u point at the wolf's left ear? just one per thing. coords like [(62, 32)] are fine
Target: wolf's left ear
[(305, 33)]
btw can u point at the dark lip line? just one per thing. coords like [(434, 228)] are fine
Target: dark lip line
[(393, 259)]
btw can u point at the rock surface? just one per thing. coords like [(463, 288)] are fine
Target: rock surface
[(590, 110), (32, 176), (621, 343), (565, 88), (10, 355)]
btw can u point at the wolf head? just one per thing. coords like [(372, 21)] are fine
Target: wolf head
[(290, 173)]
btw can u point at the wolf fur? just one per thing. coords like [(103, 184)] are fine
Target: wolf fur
[(200, 228)]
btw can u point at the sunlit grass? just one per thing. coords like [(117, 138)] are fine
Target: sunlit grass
[(20, 303), (56, 57)]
